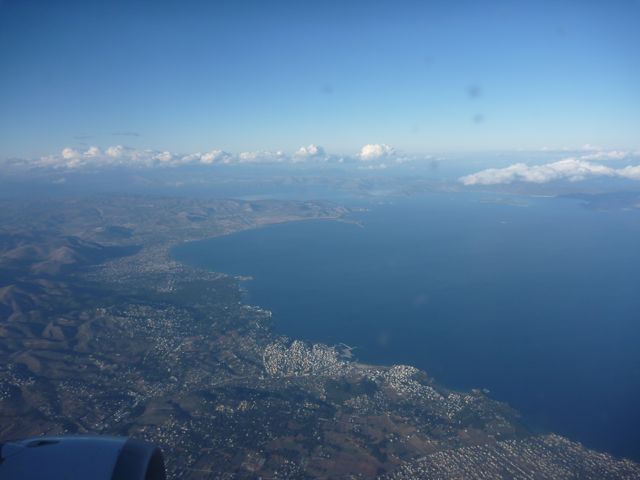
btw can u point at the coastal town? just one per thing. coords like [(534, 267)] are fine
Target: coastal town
[(127, 341)]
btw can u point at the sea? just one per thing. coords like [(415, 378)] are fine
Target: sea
[(535, 299)]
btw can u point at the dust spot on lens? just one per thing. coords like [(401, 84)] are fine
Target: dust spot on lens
[(474, 91)]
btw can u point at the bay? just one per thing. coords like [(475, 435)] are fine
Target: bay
[(537, 302)]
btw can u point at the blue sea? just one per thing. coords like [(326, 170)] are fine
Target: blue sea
[(539, 301)]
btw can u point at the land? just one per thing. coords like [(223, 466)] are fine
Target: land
[(629, 200), (101, 332)]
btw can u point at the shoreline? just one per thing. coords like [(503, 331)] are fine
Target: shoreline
[(528, 421)]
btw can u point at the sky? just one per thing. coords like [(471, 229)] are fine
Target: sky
[(242, 76)]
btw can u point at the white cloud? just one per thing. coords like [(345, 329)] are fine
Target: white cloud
[(92, 152), (606, 155), (126, 156), (95, 157), (115, 151), (591, 148), (163, 157), (632, 172), (216, 156), (375, 151), (70, 153), (46, 161), (312, 151), (587, 152), (571, 169), (261, 156), (191, 158)]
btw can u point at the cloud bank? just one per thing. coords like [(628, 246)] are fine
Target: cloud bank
[(571, 169), (121, 156), (376, 151), (312, 151)]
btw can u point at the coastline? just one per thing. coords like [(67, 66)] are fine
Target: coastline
[(529, 421)]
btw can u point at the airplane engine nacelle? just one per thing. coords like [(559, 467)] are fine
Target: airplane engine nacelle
[(81, 457)]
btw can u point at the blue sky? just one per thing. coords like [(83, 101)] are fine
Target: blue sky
[(421, 76)]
